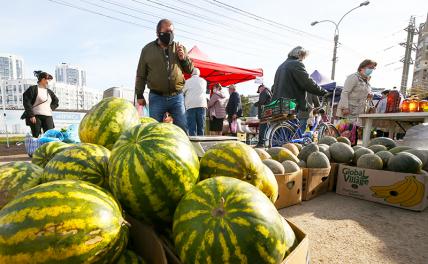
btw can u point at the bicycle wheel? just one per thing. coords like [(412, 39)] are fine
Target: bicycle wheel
[(280, 134), (327, 129)]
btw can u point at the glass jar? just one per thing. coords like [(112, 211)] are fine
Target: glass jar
[(405, 105), (414, 106), (423, 106)]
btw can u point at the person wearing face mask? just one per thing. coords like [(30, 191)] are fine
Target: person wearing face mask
[(293, 81), (161, 67), (355, 93), (39, 102), (217, 110)]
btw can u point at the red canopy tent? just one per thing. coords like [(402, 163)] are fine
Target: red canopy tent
[(220, 73)]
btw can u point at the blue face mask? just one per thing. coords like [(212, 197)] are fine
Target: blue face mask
[(368, 71)]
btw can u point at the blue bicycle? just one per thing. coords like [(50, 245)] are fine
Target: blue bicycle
[(285, 130)]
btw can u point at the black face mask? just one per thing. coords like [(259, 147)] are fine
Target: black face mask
[(166, 37)]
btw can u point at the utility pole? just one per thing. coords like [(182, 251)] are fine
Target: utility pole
[(407, 59)]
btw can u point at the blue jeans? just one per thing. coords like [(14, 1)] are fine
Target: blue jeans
[(159, 105), (196, 121), (262, 132)]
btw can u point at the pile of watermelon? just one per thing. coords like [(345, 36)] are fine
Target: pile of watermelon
[(70, 204)]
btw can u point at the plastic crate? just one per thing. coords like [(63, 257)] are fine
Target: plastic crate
[(281, 106)]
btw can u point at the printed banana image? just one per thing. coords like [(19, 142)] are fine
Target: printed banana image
[(408, 192)]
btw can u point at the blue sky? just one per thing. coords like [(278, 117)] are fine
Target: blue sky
[(46, 34)]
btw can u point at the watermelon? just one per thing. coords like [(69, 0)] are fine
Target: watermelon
[(62, 222), (86, 162), (47, 151), (377, 148), (16, 177), (281, 154), (270, 185), (233, 159), (107, 120), (385, 156), (151, 167), (370, 161), (405, 162), (399, 149), (292, 147), (290, 237), (344, 140), (129, 257), (147, 120), (422, 155), (225, 220), (359, 152)]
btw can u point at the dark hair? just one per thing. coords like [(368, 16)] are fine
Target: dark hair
[(366, 63), (161, 22), (42, 75), (385, 92)]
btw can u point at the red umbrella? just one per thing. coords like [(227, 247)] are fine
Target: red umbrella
[(214, 72)]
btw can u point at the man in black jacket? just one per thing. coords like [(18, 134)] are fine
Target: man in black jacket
[(293, 82), (265, 97), (234, 107)]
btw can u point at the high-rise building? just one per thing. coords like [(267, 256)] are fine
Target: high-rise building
[(420, 75), (73, 75), (11, 67)]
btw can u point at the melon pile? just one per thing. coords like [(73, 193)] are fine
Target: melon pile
[(69, 204)]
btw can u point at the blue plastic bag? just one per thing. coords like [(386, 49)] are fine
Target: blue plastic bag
[(71, 135), (51, 135)]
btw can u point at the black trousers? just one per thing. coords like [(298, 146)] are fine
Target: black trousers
[(42, 122)]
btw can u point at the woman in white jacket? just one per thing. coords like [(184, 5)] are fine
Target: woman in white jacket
[(355, 93)]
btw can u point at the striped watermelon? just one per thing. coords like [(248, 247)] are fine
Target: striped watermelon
[(16, 177), (47, 151), (234, 159), (129, 257), (151, 167), (226, 220), (107, 120), (62, 222), (147, 120), (86, 162)]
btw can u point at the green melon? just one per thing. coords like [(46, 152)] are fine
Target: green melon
[(318, 160), (387, 142), (423, 156), (47, 151), (16, 177), (62, 222), (405, 162), (290, 166), (270, 185), (290, 238), (377, 148), (151, 167), (129, 257), (281, 154), (399, 149), (341, 152), (385, 156), (307, 150), (358, 153), (299, 146), (292, 147), (328, 140), (225, 220), (85, 162), (357, 147), (344, 140), (325, 149), (274, 166), (370, 161), (301, 164), (107, 120), (262, 154)]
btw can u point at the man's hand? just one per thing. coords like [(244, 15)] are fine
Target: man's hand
[(180, 51), (141, 102), (345, 111), (33, 120)]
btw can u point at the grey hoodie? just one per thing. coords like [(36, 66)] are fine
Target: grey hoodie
[(217, 105)]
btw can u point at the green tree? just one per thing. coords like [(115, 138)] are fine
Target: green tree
[(246, 105)]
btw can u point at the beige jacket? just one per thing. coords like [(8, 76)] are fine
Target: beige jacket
[(354, 97)]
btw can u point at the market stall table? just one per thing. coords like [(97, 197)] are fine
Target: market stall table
[(368, 121)]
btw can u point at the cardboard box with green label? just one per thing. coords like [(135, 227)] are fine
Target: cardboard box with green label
[(404, 190)]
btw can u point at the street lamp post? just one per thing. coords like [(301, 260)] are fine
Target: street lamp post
[(336, 34)]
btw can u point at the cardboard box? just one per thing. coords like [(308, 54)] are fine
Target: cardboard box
[(300, 255), (315, 182), (332, 177), (289, 189), (404, 190)]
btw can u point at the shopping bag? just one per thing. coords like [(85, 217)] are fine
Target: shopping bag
[(234, 126), (31, 144)]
